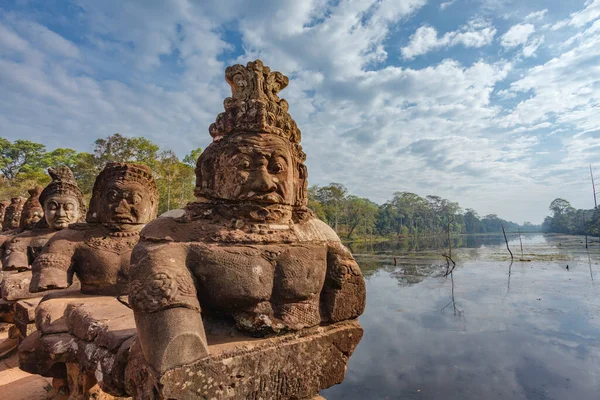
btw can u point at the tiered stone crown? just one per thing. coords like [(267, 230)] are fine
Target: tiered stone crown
[(254, 105)]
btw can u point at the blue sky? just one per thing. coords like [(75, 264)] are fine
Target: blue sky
[(491, 103)]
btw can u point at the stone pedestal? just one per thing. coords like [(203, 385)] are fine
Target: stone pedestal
[(292, 366)]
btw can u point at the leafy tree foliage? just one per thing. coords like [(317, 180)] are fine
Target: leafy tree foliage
[(566, 219), (405, 214), (23, 165)]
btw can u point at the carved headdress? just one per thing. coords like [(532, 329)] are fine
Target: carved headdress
[(63, 184), (126, 172), (12, 214), (32, 209), (254, 107)]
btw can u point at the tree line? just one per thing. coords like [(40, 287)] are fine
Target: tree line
[(23, 165), (567, 219), (406, 214)]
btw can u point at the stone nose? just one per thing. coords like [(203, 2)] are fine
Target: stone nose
[(262, 181), (61, 212), (123, 206)]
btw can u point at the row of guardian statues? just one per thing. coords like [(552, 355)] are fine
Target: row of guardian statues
[(248, 249)]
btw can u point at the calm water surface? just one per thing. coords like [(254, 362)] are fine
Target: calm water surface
[(490, 330)]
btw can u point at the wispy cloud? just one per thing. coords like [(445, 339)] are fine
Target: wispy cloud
[(513, 106), (425, 39)]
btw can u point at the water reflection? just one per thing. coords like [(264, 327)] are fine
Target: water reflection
[(489, 330)]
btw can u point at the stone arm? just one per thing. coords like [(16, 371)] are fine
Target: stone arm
[(344, 294), (54, 267), (162, 293), (15, 255)]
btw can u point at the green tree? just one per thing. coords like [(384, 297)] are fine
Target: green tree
[(21, 156), (314, 204), (118, 148), (332, 198), (360, 212), (190, 159)]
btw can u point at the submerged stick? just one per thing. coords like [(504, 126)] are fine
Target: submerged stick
[(448, 257), (506, 240), (521, 244)]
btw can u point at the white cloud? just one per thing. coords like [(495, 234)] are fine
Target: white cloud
[(543, 125), (590, 13), (517, 35), (458, 127), (536, 15), (425, 39), (531, 47), (446, 4)]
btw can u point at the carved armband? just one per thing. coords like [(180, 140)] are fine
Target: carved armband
[(163, 289)]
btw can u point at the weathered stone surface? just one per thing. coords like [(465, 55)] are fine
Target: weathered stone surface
[(47, 355), (16, 286), (94, 332), (108, 323), (25, 309), (292, 366), (124, 199), (249, 247), (50, 314), (25, 316), (12, 214)]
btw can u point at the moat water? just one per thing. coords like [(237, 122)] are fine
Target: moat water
[(489, 330)]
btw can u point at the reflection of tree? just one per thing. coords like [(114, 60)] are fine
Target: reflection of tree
[(409, 275), (457, 312), (590, 264), (423, 243), (508, 283)]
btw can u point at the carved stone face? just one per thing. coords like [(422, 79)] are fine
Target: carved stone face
[(125, 202), (257, 168), (12, 218), (31, 217), (60, 211)]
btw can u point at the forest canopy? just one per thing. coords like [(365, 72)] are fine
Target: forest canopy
[(23, 165)]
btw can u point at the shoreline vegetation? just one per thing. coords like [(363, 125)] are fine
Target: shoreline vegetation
[(23, 165)]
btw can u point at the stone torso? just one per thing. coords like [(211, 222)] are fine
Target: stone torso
[(101, 260), (23, 249), (236, 267), (241, 276)]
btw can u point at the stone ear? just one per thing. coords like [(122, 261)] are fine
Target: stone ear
[(302, 188)]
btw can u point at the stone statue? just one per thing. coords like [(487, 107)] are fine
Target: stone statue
[(12, 214), (11, 222), (3, 205), (124, 199), (62, 203), (33, 211), (248, 248)]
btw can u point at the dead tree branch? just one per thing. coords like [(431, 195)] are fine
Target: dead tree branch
[(506, 240)]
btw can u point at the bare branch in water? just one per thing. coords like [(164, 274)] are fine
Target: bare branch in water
[(448, 256), (506, 240)]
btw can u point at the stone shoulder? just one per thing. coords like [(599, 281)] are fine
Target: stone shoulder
[(315, 230), (33, 234), (170, 229)]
